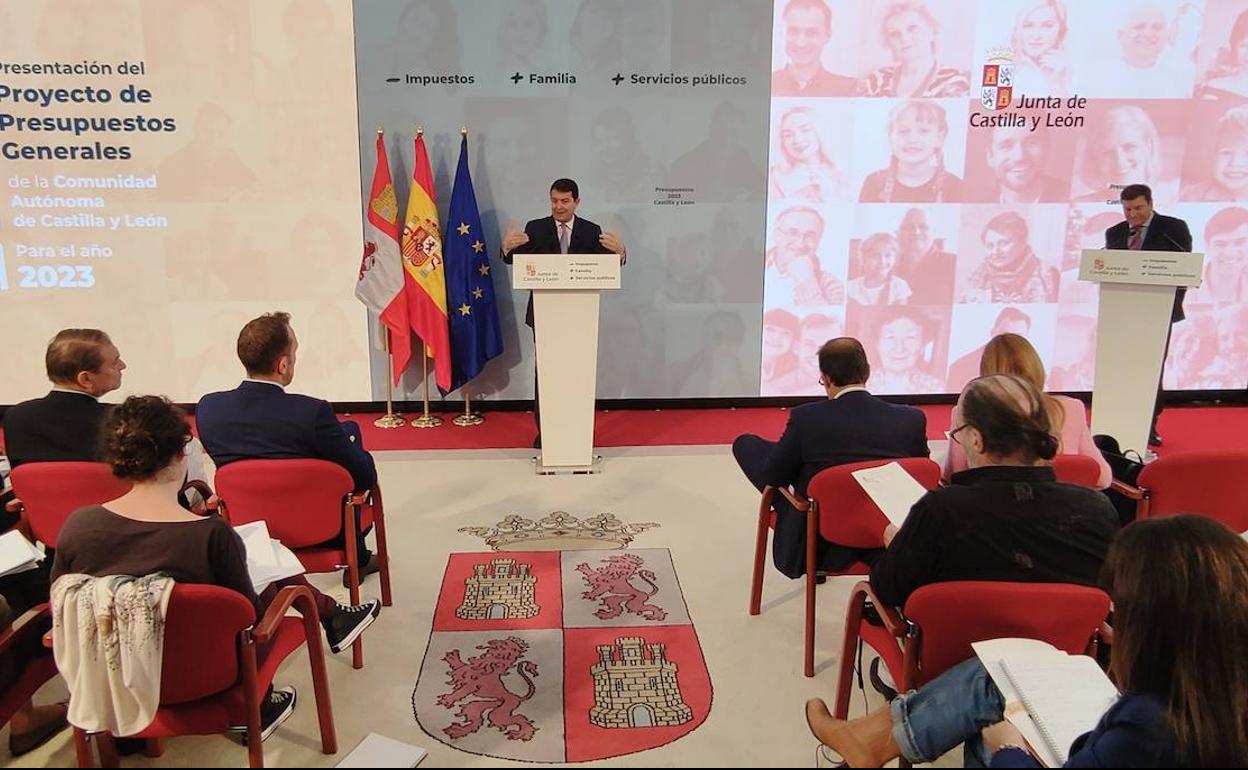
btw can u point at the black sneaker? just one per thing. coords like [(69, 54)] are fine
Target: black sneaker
[(367, 567), (274, 710), (348, 623)]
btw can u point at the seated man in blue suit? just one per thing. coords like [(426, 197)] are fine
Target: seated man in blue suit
[(849, 426), (260, 420)]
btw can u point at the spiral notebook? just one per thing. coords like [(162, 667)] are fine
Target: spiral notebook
[(1051, 697)]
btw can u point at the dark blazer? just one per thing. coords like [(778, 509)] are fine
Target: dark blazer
[(853, 428), (261, 421), (60, 427), (544, 239), (1132, 733), (1164, 234)]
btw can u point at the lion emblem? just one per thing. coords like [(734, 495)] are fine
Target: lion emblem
[(612, 584), (479, 684), (369, 259), (421, 245)]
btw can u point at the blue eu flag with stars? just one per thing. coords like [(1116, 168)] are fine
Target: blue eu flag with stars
[(470, 306)]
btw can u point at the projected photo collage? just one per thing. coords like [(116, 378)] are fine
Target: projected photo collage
[(936, 168)]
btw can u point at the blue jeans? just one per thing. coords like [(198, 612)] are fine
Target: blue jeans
[(950, 709)]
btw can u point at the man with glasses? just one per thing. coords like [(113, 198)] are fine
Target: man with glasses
[(849, 426)]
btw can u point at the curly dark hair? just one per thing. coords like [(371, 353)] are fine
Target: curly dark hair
[(142, 436)]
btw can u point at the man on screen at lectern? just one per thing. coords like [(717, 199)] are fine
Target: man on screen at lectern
[(560, 233), (1146, 230)]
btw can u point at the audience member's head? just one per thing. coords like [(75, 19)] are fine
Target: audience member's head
[(267, 347), (144, 439), (1004, 422), (85, 360), (1187, 652), (1013, 354), (843, 362)]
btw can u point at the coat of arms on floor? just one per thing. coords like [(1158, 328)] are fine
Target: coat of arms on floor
[(565, 656), (560, 531)]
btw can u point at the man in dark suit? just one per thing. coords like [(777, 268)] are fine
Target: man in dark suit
[(260, 420), (1146, 230), (83, 365), (850, 426), (560, 233)]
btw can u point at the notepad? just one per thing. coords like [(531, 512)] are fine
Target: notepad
[(892, 489), (267, 559), (17, 554), (379, 751), (1050, 696)]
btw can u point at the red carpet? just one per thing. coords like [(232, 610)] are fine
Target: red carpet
[(1183, 428)]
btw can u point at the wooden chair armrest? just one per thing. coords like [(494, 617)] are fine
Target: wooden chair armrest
[(24, 626), (894, 623), (769, 493), (1128, 490), (15, 506), (297, 597)]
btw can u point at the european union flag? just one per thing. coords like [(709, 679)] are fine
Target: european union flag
[(470, 306)]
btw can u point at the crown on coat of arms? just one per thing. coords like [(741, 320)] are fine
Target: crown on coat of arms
[(559, 531)]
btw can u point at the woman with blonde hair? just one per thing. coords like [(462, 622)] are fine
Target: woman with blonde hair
[(909, 30), (1013, 354), (1126, 151), (804, 170), (1041, 64)]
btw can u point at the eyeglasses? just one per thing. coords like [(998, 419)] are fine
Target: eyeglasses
[(949, 434)]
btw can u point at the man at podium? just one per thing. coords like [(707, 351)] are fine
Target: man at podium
[(560, 233), (1146, 230)]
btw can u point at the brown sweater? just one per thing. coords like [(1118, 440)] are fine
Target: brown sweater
[(95, 541)]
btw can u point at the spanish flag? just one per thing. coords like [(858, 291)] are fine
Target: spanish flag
[(380, 283), (424, 276)]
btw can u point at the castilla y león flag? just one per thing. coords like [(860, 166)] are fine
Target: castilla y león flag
[(423, 272), (380, 284)]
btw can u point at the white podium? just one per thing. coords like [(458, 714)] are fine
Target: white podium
[(566, 291), (1137, 298)]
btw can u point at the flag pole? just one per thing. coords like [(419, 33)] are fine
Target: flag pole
[(426, 420), (390, 419), (468, 419)]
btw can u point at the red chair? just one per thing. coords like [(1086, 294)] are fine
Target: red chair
[(1077, 469), (304, 503), (49, 492), (1212, 483), (216, 668), (841, 512), (26, 629), (941, 620)]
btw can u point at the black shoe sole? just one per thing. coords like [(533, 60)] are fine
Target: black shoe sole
[(878, 684)]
